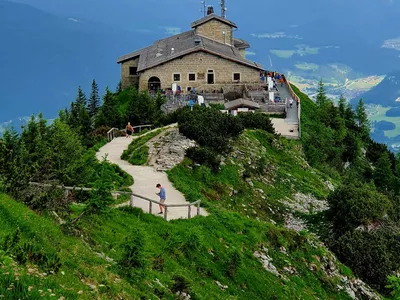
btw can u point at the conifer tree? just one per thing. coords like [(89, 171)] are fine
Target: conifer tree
[(109, 114), (81, 98), (94, 100), (321, 98), (383, 175), (119, 87), (342, 106), (363, 124)]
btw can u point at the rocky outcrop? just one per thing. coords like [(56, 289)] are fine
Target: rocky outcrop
[(305, 204), (327, 264), (168, 150)]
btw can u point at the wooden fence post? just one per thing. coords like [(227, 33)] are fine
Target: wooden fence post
[(189, 211), (131, 201), (66, 193), (165, 212), (198, 208), (150, 207)]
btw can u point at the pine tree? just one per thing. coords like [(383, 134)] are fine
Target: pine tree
[(321, 98), (81, 98), (383, 175), (362, 122), (94, 100), (109, 113), (119, 87), (342, 106)]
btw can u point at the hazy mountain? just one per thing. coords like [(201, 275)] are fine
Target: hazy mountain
[(44, 58), (386, 93)]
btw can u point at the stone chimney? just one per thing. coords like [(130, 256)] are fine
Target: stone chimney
[(210, 10)]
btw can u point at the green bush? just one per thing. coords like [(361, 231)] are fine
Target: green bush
[(256, 121), (209, 127), (204, 156), (371, 255), (352, 206), (133, 259), (394, 285)]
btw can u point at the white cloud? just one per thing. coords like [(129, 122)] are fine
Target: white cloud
[(275, 35), (172, 30), (144, 30), (73, 20), (250, 53)]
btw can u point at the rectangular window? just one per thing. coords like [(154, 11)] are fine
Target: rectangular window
[(236, 76), (192, 77), (177, 77), (132, 70)]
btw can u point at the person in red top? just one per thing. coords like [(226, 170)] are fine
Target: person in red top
[(129, 130)]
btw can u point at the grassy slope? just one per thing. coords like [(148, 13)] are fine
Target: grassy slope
[(200, 250), (276, 168)]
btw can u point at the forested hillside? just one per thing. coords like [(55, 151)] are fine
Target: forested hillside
[(288, 219)]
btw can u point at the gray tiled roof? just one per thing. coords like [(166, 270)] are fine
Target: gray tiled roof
[(240, 103), (241, 44), (183, 44), (210, 17)]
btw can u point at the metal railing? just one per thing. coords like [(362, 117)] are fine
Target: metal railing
[(115, 132), (297, 99), (68, 189)]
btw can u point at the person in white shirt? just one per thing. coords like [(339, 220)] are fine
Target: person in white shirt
[(291, 102)]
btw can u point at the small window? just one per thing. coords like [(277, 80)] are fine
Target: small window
[(192, 77), (189, 88), (210, 71), (132, 70), (177, 77), (236, 76)]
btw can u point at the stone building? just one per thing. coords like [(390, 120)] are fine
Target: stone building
[(207, 56)]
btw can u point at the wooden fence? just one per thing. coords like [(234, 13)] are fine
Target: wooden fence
[(68, 189)]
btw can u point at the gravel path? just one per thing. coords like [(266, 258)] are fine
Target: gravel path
[(146, 179)]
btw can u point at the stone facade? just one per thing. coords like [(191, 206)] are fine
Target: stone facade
[(126, 78), (199, 63), (215, 30)]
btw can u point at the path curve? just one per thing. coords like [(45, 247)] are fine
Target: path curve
[(146, 179)]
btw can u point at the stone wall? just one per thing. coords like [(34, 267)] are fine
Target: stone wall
[(199, 63), (127, 79), (214, 30)]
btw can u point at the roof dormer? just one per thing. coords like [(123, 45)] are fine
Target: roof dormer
[(215, 28)]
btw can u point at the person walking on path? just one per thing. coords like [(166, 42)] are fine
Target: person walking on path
[(291, 102), (129, 130), (163, 197)]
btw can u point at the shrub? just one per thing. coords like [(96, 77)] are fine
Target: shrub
[(257, 121), (371, 255), (352, 206), (133, 258), (209, 127), (394, 285), (204, 156)]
